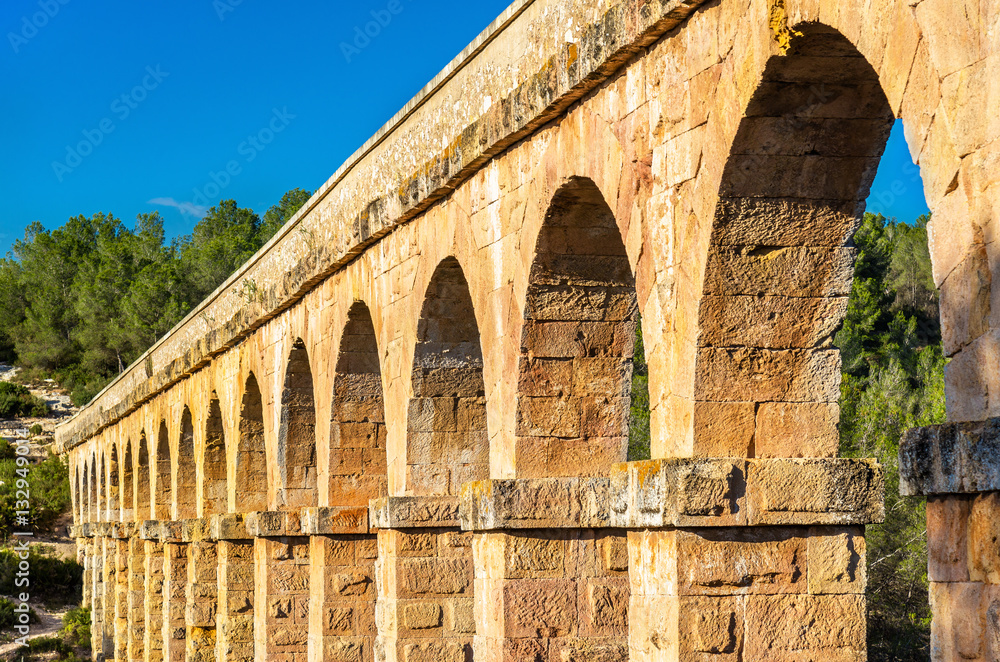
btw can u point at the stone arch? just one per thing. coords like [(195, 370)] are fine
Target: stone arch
[(447, 442), (186, 481), (164, 475), (357, 429), (297, 434), (102, 500), (779, 265), (114, 507), (251, 455), (142, 482), (575, 364), (128, 483), (215, 498)]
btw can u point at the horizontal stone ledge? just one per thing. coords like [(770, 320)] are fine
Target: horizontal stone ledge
[(733, 492), (273, 524), (417, 512), (334, 521), (150, 530), (535, 503), (952, 458)]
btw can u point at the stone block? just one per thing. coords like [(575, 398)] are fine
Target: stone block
[(803, 628), (228, 526), (984, 538), (815, 491), (711, 628), (336, 520), (273, 524), (414, 512), (837, 563), (947, 538), (796, 429), (952, 458), (534, 503), (537, 608)]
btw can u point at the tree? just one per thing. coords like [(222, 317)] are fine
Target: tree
[(281, 213)]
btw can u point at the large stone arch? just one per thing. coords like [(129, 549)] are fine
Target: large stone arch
[(779, 266), (574, 370), (186, 478), (447, 441), (296, 455), (164, 475), (215, 496), (251, 454), (357, 458)]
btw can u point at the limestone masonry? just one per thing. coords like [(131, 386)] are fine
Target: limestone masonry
[(399, 432)]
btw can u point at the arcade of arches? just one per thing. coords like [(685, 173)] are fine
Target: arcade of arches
[(399, 433)]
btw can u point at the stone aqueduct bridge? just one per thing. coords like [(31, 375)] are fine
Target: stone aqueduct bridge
[(399, 432)]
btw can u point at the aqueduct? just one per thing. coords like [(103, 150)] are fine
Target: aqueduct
[(399, 432)]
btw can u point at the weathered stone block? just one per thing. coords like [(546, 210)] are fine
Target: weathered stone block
[(952, 458), (947, 539), (414, 512), (534, 503), (336, 520)]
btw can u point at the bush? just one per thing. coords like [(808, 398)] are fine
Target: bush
[(76, 627), (35, 429), (16, 400), (47, 490), (8, 619), (52, 579)]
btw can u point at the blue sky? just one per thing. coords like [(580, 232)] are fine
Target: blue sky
[(109, 106)]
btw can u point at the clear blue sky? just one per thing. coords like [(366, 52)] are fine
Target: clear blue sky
[(163, 94)]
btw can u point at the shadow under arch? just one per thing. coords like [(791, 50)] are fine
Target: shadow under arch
[(251, 454), (577, 342), (780, 265), (357, 427), (164, 475), (297, 433), (114, 507), (142, 482), (214, 468), (128, 483), (447, 442)]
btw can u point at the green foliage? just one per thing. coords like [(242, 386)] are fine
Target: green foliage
[(893, 380), (51, 649), (48, 492), (8, 619), (35, 429), (53, 580), (76, 627), (16, 400), (84, 301), (638, 429)]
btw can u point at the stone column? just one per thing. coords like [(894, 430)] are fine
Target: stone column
[(136, 598), (234, 617), (281, 597), (551, 579), (175, 575), (151, 532), (85, 556), (424, 579), (763, 559), (106, 630), (202, 591), (957, 467), (123, 533), (342, 576)]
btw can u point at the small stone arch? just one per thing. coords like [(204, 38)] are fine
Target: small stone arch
[(575, 365), (128, 483), (251, 454), (297, 433), (186, 481), (114, 507), (214, 488), (102, 500), (164, 474), (447, 441), (142, 481), (357, 429), (779, 266)]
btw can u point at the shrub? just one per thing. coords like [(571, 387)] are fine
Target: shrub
[(35, 429), (52, 579), (76, 627), (47, 488), (16, 400), (8, 619)]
